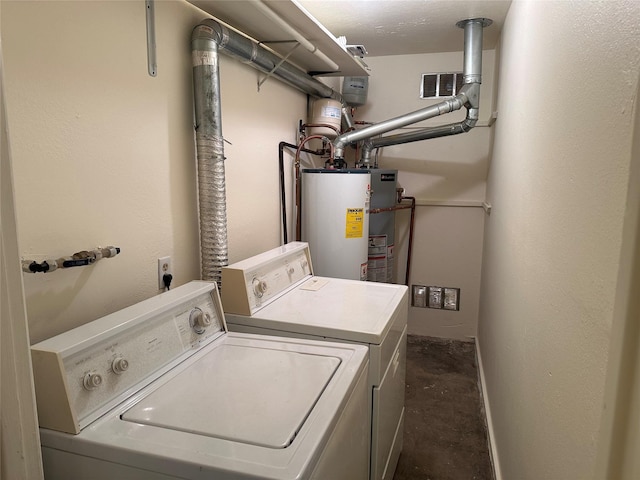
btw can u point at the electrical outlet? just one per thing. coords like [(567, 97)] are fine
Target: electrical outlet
[(164, 266)]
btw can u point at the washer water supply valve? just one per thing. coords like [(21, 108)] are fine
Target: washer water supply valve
[(78, 259)]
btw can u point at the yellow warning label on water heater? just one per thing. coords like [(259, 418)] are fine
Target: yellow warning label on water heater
[(355, 223)]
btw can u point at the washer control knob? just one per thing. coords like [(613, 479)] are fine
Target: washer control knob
[(304, 264), (290, 270), (91, 381), (119, 365), (199, 320), (259, 287)]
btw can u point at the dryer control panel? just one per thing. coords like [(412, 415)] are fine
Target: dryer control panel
[(82, 373), (251, 284)]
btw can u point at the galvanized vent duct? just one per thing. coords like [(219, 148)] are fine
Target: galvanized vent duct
[(250, 52), (469, 97), (212, 206), (209, 38), (423, 134)]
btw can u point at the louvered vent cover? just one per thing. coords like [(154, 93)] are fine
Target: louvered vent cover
[(435, 85)]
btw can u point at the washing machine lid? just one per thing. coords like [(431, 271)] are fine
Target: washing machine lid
[(331, 307), (273, 393)]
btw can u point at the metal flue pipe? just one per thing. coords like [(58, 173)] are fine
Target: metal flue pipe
[(447, 106), (468, 97), (473, 48), (418, 135)]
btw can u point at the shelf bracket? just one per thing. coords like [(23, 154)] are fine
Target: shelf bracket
[(284, 59), (152, 65)]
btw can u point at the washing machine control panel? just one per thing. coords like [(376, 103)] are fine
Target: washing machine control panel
[(82, 373), (255, 282)]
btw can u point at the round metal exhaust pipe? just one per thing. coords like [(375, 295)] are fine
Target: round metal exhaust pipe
[(473, 47)]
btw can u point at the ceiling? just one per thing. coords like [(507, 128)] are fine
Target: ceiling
[(401, 27)]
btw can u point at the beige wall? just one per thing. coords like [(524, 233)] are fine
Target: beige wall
[(104, 154), (619, 438), (558, 186), (448, 253), (451, 170), (448, 168), (19, 436)]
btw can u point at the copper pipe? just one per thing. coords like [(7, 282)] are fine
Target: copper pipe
[(318, 125), (410, 247), (411, 224), (283, 195)]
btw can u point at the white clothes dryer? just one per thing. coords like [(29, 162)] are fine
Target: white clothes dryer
[(276, 293), (160, 390)]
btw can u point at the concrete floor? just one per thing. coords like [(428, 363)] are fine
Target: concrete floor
[(445, 430)]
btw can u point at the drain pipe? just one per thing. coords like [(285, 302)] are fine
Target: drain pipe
[(468, 97)]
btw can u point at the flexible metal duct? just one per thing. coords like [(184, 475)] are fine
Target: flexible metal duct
[(212, 206), (468, 97), (209, 38)]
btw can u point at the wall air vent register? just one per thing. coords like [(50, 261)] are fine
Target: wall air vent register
[(437, 85)]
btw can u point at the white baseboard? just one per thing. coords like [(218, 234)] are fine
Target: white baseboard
[(493, 451)]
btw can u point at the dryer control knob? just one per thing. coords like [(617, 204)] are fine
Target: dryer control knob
[(259, 287), (91, 381), (119, 365), (199, 320)]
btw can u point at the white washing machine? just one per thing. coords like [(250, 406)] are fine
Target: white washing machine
[(276, 293), (160, 390)]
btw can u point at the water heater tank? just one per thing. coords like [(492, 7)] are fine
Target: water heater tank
[(335, 221), (382, 226)]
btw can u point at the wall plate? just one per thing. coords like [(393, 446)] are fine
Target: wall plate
[(419, 296), (435, 297), (451, 299)]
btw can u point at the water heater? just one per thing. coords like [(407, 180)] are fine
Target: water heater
[(335, 221), (382, 226)]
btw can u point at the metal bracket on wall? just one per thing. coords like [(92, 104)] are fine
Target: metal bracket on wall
[(151, 38), (260, 82)]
